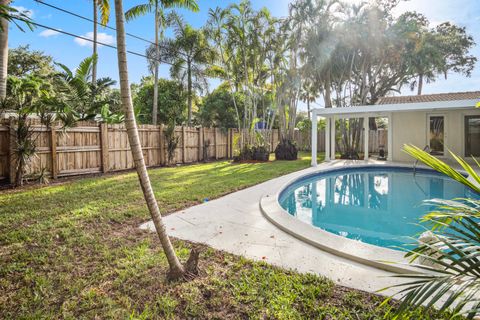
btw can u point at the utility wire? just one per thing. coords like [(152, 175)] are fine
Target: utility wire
[(89, 40), (101, 43), (91, 20), (99, 23)]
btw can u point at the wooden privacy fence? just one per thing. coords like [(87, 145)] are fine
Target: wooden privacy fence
[(377, 139), (91, 147)]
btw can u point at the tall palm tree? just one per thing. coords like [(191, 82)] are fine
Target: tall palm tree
[(4, 53), (308, 94), (188, 54), (177, 270), (158, 7), (7, 14), (104, 7)]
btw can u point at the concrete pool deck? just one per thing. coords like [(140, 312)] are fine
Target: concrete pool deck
[(235, 223)]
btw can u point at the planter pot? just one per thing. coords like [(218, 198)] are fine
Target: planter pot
[(286, 150), (261, 155)]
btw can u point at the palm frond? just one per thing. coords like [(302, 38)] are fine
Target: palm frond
[(442, 167), (84, 69), (191, 5), (104, 7), (451, 258), (138, 11)]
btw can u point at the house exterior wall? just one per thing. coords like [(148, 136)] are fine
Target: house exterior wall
[(411, 127)]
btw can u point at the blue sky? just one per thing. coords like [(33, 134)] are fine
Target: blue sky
[(70, 51)]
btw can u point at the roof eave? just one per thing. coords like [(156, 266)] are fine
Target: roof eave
[(398, 107)]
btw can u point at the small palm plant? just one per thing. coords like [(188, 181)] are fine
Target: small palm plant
[(451, 256)]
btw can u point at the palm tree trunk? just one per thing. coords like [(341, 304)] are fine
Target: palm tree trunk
[(95, 37), (176, 268), (189, 84), (308, 106), (420, 84), (327, 95), (155, 73), (4, 53)]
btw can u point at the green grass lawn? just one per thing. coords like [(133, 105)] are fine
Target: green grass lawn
[(73, 250)]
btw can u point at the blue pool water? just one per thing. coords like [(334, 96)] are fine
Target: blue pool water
[(377, 205)]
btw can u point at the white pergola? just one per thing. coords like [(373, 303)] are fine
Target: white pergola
[(366, 112)]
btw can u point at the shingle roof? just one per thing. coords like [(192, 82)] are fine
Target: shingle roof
[(431, 97)]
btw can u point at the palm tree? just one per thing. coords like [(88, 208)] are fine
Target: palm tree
[(308, 94), (177, 270), (188, 54), (104, 7), (158, 8), (8, 14), (86, 99)]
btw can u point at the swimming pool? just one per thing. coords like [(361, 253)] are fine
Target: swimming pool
[(372, 204)]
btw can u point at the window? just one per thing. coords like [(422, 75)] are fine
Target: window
[(436, 135), (472, 136)]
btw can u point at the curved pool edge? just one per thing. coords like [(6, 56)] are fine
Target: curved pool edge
[(360, 252)]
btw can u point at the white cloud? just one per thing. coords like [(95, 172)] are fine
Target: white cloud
[(25, 11), (49, 33), (101, 37)]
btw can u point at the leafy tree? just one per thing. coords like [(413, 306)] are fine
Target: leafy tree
[(188, 53), (22, 61), (171, 101), (434, 52), (158, 7), (357, 53), (218, 110)]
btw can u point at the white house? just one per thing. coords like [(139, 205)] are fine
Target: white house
[(437, 122)]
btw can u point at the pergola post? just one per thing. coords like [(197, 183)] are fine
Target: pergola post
[(327, 139), (314, 138), (333, 130), (366, 133), (390, 138)]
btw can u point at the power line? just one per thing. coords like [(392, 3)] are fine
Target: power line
[(114, 29), (90, 20), (90, 40), (99, 42), (98, 23)]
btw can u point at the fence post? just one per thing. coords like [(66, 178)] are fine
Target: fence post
[(11, 152), (184, 144), (162, 146), (271, 141), (231, 142), (53, 149), (200, 146), (205, 150), (216, 144), (227, 155), (104, 147)]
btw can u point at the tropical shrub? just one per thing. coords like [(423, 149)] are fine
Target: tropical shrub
[(172, 141), (88, 100), (30, 99), (172, 101), (218, 110), (451, 255)]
